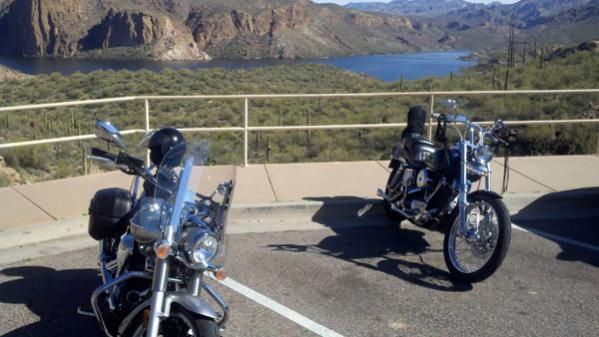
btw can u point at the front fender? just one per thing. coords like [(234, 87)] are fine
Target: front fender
[(484, 192), (187, 301)]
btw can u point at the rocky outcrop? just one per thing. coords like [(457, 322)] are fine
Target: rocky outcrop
[(40, 27), (216, 30), (10, 74), (125, 29), (193, 30), (589, 46)]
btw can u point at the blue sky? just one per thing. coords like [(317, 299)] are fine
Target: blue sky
[(343, 2)]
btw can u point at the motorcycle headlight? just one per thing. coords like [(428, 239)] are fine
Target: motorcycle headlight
[(483, 155), (200, 245)]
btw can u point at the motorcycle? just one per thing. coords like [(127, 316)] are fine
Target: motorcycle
[(432, 187), (158, 245)]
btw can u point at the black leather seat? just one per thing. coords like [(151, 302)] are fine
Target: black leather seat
[(414, 143)]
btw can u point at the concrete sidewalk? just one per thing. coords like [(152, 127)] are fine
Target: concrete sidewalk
[(286, 184)]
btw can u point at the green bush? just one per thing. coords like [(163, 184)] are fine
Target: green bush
[(4, 180)]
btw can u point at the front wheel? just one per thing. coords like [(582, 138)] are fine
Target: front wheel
[(180, 323), (475, 255)]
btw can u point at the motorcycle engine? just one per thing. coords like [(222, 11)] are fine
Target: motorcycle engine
[(422, 179)]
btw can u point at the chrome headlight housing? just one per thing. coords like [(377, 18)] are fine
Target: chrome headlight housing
[(200, 245), (483, 155)]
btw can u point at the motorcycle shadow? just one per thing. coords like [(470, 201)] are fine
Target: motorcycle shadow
[(399, 253), (53, 296), (571, 214)]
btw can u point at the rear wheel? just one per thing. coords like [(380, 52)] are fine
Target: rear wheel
[(477, 254), (395, 217), (180, 323)]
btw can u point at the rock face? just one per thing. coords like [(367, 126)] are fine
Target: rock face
[(195, 29), (168, 41), (39, 28), (125, 29)]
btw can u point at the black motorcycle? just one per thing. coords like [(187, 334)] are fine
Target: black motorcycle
[(432, 186), (158, 245)]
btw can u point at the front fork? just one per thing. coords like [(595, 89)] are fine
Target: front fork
[(463, 187), (159, 287)]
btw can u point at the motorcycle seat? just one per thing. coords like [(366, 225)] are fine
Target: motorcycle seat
[(411, 140), (415, 143)]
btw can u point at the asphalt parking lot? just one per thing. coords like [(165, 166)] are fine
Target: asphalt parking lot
[(361, 281)]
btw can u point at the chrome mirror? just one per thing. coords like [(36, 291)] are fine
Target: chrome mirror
[(449, 103), (108, 132)]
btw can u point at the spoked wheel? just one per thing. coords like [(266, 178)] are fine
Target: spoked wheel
[(395, 217), (181, 323), (476, 255)]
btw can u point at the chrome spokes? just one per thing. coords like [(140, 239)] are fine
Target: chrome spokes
[(470, 251)]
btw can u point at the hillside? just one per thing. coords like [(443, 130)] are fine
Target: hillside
[(548, 22), (428, 8), (202, 29), (578, 70), (478, 26), (10, 74)]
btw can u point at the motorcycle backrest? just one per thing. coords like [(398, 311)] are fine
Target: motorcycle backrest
[(416, 121)]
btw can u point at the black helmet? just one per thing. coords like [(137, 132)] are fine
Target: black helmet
[(161, 142)]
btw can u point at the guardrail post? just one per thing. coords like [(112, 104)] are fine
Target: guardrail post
[(245, 131), (147, 128), (430, 117)]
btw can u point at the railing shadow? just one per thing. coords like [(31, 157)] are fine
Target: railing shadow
[(571, 215), (53, 296), (392, 251)]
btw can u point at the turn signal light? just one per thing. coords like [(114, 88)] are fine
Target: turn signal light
[(220, 274), (162, 250)]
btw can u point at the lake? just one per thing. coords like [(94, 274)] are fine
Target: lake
[(389, 67)]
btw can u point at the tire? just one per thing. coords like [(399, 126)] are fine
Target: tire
[(395, 217), (501, 239), (200, 326)]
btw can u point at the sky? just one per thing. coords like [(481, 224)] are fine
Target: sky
[(343, 2)]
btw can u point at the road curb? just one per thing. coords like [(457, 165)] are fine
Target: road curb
[(312, 214)]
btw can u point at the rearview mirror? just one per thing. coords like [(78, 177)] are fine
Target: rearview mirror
[(449, 103), (108, 132)]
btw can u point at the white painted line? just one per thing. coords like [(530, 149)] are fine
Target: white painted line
[(557, 238), (280, 309)]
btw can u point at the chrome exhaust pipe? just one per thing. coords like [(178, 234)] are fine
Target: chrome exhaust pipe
[(394, 208)]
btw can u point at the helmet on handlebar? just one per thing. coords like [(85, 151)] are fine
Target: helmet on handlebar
[(161, 142)]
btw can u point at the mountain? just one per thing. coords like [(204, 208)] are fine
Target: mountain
[(202, 29), (544, 21), (427, 8)]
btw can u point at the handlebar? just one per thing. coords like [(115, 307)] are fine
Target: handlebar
[(103, 154), (122, 160), (493, 131)]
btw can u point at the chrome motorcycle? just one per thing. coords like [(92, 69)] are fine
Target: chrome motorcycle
[(158, 248), (432, 186)]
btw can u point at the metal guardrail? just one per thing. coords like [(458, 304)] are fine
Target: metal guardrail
[(246, 128)]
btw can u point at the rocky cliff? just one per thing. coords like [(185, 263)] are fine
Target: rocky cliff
[(200, 29)]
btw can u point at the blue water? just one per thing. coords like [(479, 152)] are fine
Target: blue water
[(389, 67)]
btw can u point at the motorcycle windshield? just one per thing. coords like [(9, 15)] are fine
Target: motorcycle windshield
[(193, 193)]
